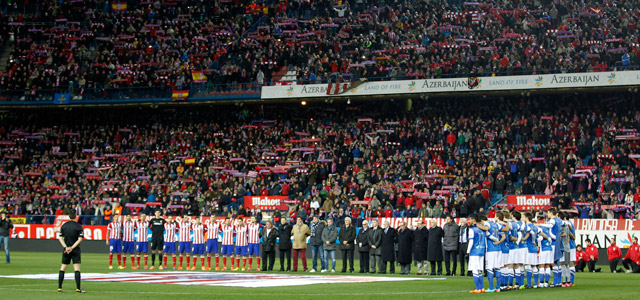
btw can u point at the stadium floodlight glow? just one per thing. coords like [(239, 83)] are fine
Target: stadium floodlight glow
[(303, 102), (348, 101)]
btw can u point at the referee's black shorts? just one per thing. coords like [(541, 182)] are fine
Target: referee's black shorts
[(73, 256), (157, 244)]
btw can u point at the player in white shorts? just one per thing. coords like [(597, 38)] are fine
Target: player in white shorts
[(493, 254), (572, 243), (545, 258)]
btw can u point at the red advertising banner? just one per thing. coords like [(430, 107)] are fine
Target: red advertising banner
[(266, 202), (50, 232), (528, 202)]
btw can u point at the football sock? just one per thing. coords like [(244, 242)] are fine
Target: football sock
[(164, 263), (572, 271), (153, 259), (547, 274), (244, 263), (110, 259), (119, 259), (490, 276), (77, 279), (181, 258), (218, 260), (250, 262), (201, 261), (174, 260), (535, 275), (209, 261), (224, 262), (188, 257), (146, 258), (258, 262), (60, 279), (520, 276)]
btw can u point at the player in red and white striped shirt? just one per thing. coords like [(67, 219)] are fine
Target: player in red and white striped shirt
[(128, 241), (184, 240), (114, 232), (198, 244), (213, 230), (241, 245), (227, 243), (253, 238), (170, 241), (142, 245)]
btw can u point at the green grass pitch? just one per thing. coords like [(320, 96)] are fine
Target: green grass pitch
[(588, 286)]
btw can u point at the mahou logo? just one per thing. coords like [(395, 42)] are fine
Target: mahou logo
[(532, 201), (258, 201)]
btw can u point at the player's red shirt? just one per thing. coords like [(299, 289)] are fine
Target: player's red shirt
[(241, 235), (142, 226), (213, 230), (114, 230), (633, 253), (128, 231), (592, 251), (198, 233), (253, 233), (581, 255), (184, 234), (614, 252), (170, 232), (227, 234)]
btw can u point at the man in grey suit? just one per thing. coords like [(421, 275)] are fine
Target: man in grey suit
[(375, 242)]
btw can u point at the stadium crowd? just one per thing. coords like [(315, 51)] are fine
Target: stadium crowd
[(443, 157), (89, 47)]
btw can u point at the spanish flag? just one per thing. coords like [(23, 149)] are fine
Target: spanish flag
[(198, 76), (119, 6), (189, 161), (179, 95)]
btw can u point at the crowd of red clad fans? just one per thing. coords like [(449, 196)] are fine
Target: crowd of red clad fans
[(442, 157), (90, 47)]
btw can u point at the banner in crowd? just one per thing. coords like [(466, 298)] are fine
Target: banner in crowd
[(451, 85), (528, 202), (266, 202)]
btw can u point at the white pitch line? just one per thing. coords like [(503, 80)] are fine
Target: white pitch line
[(254, 294)]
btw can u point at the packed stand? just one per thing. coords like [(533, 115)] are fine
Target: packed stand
[(91, 47), (443, 158)]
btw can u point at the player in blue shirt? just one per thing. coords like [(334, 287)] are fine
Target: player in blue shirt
[(555, 224), (476, 251), (494, 252), (545, 259), (572, 244)]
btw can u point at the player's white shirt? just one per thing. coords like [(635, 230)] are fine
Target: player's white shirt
[(253, 233), (198, 233), (227, 234), (128, 231)]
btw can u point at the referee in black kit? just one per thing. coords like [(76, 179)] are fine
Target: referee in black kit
[(70, 234)]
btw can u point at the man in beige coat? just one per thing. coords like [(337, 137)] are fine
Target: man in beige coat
[(300, 233)]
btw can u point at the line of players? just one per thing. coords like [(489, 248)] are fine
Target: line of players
[(513, 246), (195, 238)]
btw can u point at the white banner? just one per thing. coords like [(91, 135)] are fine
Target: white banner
[(501, 83)]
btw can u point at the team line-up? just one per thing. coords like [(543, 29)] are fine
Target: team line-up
[(511, 247)]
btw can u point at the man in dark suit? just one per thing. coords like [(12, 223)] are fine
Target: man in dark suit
[(405, 248), (420, 242), (434, 251), (269, 235), (375, 242), (285, 244), (389, 237), (347, 237), (363, 247)]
